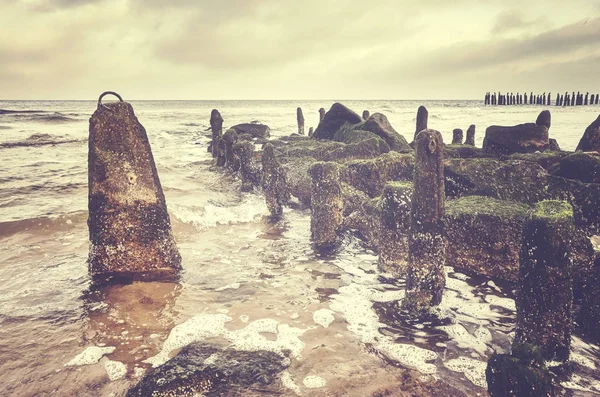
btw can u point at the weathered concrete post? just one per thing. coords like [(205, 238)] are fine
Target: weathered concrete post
[(216, 125), (274, 182), (321, 114), (422, 115), (457, 136), (426, 250), (366, 114), (470, 140), (300, 118), (129, 226), (394, 226), (250, 175), (231, 161), (326, 203), (545, 291)]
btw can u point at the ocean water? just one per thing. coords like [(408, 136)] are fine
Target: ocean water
[(248, 283)]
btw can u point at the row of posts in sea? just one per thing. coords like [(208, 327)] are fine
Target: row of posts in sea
[(573, 99)]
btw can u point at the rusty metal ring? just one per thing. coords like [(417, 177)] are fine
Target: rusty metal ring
[(108, 93)]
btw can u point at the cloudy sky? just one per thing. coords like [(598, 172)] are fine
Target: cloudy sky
[(296, 49)]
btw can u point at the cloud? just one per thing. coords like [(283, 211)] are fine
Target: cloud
[(513, 20)]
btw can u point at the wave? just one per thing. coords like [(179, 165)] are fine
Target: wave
[(8, 111), (39, 140), (46, 224)]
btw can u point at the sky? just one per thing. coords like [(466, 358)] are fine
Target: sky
[(296, 49)]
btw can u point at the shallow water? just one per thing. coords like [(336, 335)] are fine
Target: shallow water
[(248, 283)]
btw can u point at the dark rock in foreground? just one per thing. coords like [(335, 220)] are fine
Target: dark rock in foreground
[(590, 141), (379, 125), (522, 138), (205, 369), (334, 119), (256, 130), (584, 167)]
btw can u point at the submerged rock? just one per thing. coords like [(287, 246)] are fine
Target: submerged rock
[(379, 125), (521, 374), (590, 141), (522, 138), (205, 369), (545, 291), (334, 119), (129, 226), (484, 236), (256, 130)]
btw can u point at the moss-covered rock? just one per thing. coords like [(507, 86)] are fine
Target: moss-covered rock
[(256, 130), (334, 119), (394, 227), (346, 134), (584, 167), (547, 160), (584, 197), (463, 151), (379, 125), (520, 181), (353, 199), (484, 236), (370, 176), (590, 141), (365, 149), (521, 374), (522, 138)]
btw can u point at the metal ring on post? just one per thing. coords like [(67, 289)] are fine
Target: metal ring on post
[(108, 93)]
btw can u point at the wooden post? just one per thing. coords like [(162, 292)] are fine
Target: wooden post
[(300, 118), (327, 204), (216, 126), (422, 115), (470, 140)]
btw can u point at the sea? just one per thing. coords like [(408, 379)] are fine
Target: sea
[(249, 282)]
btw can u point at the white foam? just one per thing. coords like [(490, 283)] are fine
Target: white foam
[(409, 355), (288, 382), (313, 382), (474, 370), (244, 318), (459, 334), (323, 317), (115, 370), (230, 286), (91, 355)]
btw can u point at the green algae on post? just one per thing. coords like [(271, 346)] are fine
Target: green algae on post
[(327, 204)]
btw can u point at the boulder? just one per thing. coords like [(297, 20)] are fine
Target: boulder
[(256, 130), (365, 149), (548, 160), (484, 236), (584, 197), (334, 119), (590, 141), (584, 167), (463, 152), (379, 125), (522, 138), (553, 145), (347, 134), (370, 176), (520, 181), (207, 369)]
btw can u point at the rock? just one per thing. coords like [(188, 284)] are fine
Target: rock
[(365, 149), (457, 136), (394, 226), (298, 180), (321, 114), (256, 130), (520, 181), (522, 138), (311, 131), (590, 141), (231, 161), (422, 116), (379, 125), (553, 145), (521, 374), (300, 118), (334, 119), (484, 236), (544, 119), (347, 134), (426, 248), (463, 152), (370, 176), (584, 167), (589, 316), (216, 126), (274, 182), (206, 369), (584, 197), (547, 160), (129, 226), (364, 221), (327, 204), (545, 290)]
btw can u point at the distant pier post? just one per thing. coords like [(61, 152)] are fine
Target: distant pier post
[(525, 97), (129, 226), (585, 101), (545, 293), (457, 136), (470, 140), (300, 118), (426, 250)]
